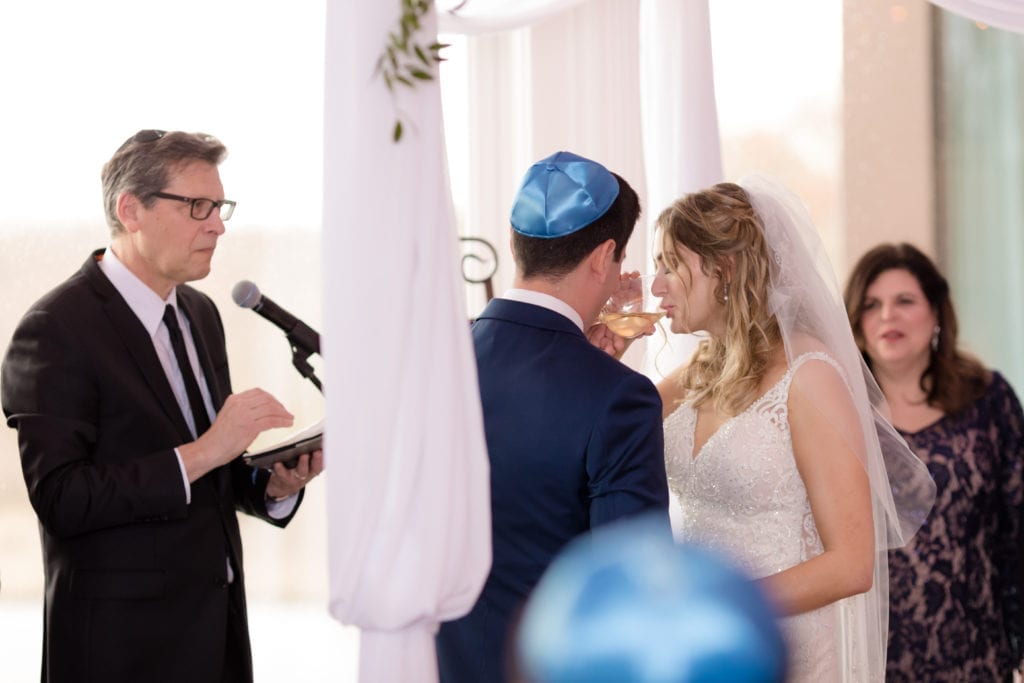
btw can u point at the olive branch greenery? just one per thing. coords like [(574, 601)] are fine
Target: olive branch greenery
[(405, 60)]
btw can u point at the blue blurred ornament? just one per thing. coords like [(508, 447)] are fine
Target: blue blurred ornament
[(626, 604)]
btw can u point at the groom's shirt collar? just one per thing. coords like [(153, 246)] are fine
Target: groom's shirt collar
[(529, 296)]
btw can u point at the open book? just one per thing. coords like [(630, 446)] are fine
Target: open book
[(288, 451)]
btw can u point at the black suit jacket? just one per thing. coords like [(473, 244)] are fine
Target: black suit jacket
[(136, 580)]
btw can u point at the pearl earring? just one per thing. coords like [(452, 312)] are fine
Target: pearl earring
[(725, 292), (935, 338)]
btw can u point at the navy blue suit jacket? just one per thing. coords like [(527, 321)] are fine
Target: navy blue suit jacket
[(575, 441)]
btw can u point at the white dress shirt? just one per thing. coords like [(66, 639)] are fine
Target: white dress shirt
[(149, 309), (529, 296)]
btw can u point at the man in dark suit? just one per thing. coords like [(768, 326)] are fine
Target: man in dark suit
[(117, 382), (574, 436)]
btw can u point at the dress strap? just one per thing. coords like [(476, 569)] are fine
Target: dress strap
[(813, 355)]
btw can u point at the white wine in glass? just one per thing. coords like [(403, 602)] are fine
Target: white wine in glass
[(630, 325), (633, 308)]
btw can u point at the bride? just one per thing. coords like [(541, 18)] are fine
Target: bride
[(775, 447)]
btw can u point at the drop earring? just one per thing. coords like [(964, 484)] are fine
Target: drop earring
[(725, 292), (935, 338)]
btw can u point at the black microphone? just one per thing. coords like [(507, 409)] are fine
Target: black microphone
[(247, 295)]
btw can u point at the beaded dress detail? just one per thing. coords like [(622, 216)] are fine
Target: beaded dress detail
[(743, 496)]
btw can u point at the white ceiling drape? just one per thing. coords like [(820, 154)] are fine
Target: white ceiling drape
[(627, 83), (408, 488), (1004, 14), (682, 148), (472, 17)]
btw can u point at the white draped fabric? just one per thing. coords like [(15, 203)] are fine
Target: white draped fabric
[(408, 487), (471, 17), (568, 81), (627, 83), (408, 477), (682, 149), (1004, 14)]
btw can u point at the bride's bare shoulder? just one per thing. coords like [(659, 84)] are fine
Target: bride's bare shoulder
[(672, 391)]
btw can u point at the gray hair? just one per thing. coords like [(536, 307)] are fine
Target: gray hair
[(142, 165)]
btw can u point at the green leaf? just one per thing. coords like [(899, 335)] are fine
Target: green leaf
[(421, 54), (402, 41)]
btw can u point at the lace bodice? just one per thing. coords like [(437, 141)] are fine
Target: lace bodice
[(742, 495)]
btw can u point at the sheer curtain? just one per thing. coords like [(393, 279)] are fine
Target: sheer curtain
[(626, 82), (569, 80), (682, 149)]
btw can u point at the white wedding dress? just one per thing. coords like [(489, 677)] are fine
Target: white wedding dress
[(743, 496), (742, 493)]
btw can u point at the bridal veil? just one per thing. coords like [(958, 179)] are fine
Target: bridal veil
[(806, 300)]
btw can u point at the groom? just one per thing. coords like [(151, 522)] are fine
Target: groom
[(574, 436)]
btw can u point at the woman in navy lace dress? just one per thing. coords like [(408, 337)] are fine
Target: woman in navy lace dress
[(955, 590)]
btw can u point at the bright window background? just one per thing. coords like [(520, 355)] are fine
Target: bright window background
[(778, 83), (77, 79), (980, 150)]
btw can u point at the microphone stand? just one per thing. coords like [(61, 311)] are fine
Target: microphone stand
[(300, 359)]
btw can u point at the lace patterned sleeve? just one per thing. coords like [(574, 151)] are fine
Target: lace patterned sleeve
[(1009, 422)]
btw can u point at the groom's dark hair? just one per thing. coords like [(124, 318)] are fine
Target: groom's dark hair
[(555, 257)]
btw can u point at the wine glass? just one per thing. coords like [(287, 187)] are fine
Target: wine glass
[(632, 309)]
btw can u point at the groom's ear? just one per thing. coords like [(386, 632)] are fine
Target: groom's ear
[(602, 258)]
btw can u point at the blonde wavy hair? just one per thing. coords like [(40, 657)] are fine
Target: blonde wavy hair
[(721, 227)]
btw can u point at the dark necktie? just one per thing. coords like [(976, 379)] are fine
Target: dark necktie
[(195, 398)]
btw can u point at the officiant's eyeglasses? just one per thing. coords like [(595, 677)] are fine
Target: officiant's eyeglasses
[(201, 207)]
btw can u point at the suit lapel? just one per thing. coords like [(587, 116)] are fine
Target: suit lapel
[(138, 343)]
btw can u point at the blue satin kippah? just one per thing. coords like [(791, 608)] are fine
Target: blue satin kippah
[(562, 194)]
